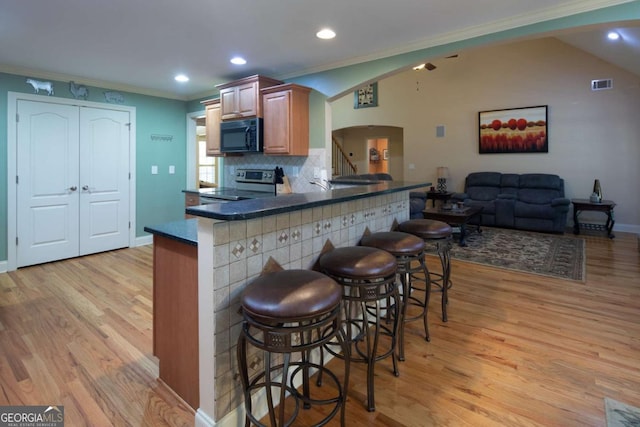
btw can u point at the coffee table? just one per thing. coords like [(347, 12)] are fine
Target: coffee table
[(455, 217)]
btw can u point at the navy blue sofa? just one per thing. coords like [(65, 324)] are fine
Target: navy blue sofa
[(531, 201)]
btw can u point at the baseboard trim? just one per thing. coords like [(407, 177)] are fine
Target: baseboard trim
[(627, 228), (143, 240), (3, 266)]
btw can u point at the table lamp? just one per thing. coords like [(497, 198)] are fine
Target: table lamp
[(442, 175)]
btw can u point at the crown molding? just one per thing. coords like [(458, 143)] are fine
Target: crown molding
[(103, 84)]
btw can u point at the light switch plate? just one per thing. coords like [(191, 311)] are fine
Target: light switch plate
[(154, 170), (172, 169)]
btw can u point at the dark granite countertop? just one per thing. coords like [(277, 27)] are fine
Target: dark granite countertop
[(185, 231), (255, 208), (199, 191)]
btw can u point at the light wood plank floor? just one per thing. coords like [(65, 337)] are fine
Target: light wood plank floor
[(518, 349)]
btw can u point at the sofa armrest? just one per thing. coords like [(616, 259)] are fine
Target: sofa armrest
[(417, 203), (561, 203), (418, 195), (459, 197)]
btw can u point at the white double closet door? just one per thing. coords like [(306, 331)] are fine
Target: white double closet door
[(72, 181)]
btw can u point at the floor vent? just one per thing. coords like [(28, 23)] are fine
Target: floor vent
[(601, 84)]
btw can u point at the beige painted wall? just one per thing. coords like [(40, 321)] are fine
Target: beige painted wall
[(591, 134), (354, 141)]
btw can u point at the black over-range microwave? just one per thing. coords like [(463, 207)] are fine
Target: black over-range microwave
[(241, 136)]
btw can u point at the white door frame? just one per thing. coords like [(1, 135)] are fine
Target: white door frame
[(191, 149), (12, 220), (191, 181)]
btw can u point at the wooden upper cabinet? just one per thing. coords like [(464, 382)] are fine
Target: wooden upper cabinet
[(286, 120), (241, 98), (212, 114)]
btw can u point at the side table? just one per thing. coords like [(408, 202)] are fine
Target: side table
[(606, 206), (438, 195)]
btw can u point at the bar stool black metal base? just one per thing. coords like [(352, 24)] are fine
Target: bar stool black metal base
[(267, 327)]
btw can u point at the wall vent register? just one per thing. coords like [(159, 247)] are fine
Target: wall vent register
[(601, 84)]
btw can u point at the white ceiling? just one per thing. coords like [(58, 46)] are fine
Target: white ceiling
[(141, 45)]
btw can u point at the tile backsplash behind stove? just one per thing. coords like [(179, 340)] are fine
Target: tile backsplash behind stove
[(299, 183)]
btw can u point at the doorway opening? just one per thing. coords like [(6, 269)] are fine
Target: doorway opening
[(378, 155), (206, 166), (373, 149)]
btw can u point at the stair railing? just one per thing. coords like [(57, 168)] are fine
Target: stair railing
[(340, 163)]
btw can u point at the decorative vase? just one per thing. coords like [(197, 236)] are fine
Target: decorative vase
[(597, 190)]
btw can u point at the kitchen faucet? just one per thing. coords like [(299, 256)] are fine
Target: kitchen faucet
[(325, 187)]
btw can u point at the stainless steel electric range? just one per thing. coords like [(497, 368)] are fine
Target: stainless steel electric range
[(250, 184)]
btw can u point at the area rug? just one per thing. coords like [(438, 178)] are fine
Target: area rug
[(620, 414), (538, 253)]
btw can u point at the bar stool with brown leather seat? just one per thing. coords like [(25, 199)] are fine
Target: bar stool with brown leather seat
[(368, 278), (288, 312), (437, 232), (409, 253)]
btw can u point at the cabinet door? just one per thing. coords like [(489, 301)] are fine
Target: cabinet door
[(247, 98), (286, 120), (190, 199), (229, 103), (213, 129), (277, 109)]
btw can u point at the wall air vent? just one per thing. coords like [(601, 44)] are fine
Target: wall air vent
[(601, 84)]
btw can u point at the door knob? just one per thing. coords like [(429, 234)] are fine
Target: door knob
[(74, 188), (85, 188)]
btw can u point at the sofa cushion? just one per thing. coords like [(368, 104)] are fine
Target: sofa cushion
[(528, 210), (537, 196), (540, 188), (541, 180), (483, 186), (483, 179), (509, 183)]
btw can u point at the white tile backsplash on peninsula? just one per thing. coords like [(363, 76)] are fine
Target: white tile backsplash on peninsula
[(295, 240)]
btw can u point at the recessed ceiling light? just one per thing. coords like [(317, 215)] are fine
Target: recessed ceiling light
[(325, 34), (238, 60), (613, 35), (182, 78)]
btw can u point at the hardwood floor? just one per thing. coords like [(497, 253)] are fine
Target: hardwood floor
[(518, 349), (78, 333)]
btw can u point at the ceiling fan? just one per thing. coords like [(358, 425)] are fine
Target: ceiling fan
[(429, 66)]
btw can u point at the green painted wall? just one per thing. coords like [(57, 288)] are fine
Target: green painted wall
[(159, 197)]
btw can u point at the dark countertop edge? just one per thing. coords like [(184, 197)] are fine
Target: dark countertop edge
[(184, 231), (199, 191), (257, 208)]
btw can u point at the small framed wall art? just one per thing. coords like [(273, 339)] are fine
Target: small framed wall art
[(514, 130), (366, 96)]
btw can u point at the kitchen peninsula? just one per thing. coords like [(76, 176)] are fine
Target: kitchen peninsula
[(234, 242)]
